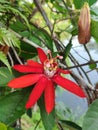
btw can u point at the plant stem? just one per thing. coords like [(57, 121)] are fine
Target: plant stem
[(37, 124)]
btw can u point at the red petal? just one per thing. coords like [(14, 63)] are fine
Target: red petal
[(49, 96), (28, 69), (69, 85), (24, 81), (37, 92), (33, 63), (64, 71), (42, 55)]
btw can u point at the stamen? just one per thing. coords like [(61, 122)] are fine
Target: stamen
[(49, 52), (60, 57)]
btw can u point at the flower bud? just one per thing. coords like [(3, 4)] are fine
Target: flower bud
[(84, 25)]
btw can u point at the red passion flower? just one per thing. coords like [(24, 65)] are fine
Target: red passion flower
[(46, 75)]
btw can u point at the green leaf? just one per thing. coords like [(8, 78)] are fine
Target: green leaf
[(71, 125), (18, 26), (4, 59), (94, 29), (10, 128), (91, 2), (4, 2), (35, 39), (47, 119), (59, 7), (27, 51), (31, 37), (7, 7), (29, 112), (43, 36), (72, 30), (93, 65), (91, 118), (17, 129), (5, 76), (79, 3), (3, 126), (8, 38), (13, 106), (94, 11), (67, 50), (17, 12)]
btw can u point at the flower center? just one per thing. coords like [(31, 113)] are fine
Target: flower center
[(51, 65)]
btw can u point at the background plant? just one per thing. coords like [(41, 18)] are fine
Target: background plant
[(24, 26)]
